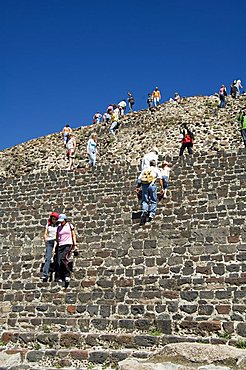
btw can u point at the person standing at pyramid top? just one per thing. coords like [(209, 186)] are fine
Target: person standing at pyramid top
[(156, 96), (239, 86), (131, 101)]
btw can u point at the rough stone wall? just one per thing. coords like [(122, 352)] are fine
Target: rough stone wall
[(183, 275)]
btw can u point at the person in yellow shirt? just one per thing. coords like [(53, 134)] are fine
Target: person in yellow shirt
[(114, 124), (156, 95)]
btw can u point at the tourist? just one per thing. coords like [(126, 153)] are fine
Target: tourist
[(239, 86), (156, 95), (66, 241), (187, 138), (71, 148), (177, 98), (150, 100), (65, 132), (131, 101), (234, 89), (222, 96), (110, 108), (122, 107), (92, 149), (165, 174), (114, 123), (151, 156), (97, 118), (49, 238), (105, 119), (116, 111), (147, 183), (242, 120)]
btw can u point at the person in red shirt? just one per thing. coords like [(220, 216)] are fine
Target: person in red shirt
[(187, 140)]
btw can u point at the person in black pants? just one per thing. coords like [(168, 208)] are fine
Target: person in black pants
[(187, 140)]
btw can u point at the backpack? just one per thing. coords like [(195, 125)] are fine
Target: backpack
[(148, 176)]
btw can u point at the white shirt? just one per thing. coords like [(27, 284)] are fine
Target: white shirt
[(122, 104), (238, 84), (117, 112), (151, 156), (51, 232), (165, 171), (70, 144), (91, 146), (155, 172)]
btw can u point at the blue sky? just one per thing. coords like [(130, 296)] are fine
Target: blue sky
[(62, 60)]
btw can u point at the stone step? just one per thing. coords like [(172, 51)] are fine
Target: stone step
[(24, 358), (45, 352)]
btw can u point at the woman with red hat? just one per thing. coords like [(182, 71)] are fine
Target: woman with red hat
[(49, 237)]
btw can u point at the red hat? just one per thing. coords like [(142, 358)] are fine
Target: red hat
[(54, 214)]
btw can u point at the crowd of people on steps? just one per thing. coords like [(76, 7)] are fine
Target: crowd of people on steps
[(59, 235)]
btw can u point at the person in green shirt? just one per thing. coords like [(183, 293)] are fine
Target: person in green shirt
[(242, 119)]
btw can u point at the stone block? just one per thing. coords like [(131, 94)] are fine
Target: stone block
[(35, 356), (70, 340), (98, 357)]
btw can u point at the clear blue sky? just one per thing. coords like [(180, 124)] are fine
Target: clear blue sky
[(62, 60)]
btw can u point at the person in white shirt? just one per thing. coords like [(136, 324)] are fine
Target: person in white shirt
[(122, 107), (97, 118), (49, 238), (165, 174), (92, 149), (71, 147), (151, 156), (147, 183), (239, 86)]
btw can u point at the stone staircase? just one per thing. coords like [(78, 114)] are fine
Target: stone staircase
[(133, 289)]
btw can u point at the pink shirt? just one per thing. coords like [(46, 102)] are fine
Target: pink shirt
[(65, 234)]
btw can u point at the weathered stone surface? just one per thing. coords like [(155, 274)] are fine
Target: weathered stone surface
[(201, 353), (7, 360)]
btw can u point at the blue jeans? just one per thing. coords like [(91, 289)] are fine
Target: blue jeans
[(156, 101), (113, 126), (49, 248), (165, 182), (149, 199), (243, 132), (222, 101), (92, 160)]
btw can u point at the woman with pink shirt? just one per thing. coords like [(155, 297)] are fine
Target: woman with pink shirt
[(66, 241)]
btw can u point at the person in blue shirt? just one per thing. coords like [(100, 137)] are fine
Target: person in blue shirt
[(92, 149)]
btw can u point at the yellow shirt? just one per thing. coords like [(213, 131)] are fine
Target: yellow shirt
[(156, 94)]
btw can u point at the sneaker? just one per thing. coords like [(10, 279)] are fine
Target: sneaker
[(67, 279), (59, 280), (143, 219), (151, 220), (45, 279)]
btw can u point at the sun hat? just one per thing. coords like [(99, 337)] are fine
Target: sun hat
[(62, 217)]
